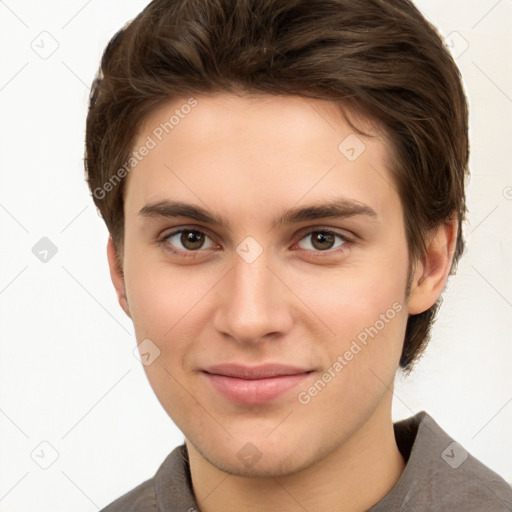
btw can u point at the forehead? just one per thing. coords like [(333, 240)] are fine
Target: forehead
[(213, 116), (260, 151)]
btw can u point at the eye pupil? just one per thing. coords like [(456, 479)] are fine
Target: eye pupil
[(320, 237), (192, 239)]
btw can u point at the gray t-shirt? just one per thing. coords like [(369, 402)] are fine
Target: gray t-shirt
[(440, 476)]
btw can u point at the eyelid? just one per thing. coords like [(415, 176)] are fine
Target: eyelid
[(326, 229)]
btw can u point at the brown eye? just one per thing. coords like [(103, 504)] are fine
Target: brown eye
[(188, 240), (323, 240), (192, 239)]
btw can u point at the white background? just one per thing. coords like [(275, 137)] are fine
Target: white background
[(68, 374)]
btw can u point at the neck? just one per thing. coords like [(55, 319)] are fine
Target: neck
[(352, 478)]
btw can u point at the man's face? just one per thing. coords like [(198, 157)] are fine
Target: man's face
[(320, 297)]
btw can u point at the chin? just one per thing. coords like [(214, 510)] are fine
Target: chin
[(260, 458)]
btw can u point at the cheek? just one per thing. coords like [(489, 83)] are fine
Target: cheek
[(158, 297), (165, 302), (361, 359), (348, 299), (362, 309), (162, 306), (151, 302)]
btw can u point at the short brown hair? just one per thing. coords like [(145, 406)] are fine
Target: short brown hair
[(381, 56)]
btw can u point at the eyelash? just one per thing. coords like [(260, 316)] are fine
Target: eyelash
[(315, 254)]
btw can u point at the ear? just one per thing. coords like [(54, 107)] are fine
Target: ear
[(431, 273), (117, 276)]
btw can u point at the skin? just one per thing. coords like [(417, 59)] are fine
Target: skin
[(249, 159)]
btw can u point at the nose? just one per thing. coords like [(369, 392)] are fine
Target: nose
[(253, 303)]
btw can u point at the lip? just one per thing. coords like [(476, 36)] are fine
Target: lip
[(254, 384)]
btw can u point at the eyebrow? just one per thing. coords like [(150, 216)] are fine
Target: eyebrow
[(337, 208)]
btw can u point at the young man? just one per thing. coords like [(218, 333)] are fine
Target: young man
[(283, 183)]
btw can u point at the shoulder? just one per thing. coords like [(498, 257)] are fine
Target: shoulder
[(169, 489), (140, 499), (444, 475)]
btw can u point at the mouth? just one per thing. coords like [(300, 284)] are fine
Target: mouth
[(254, 385)]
